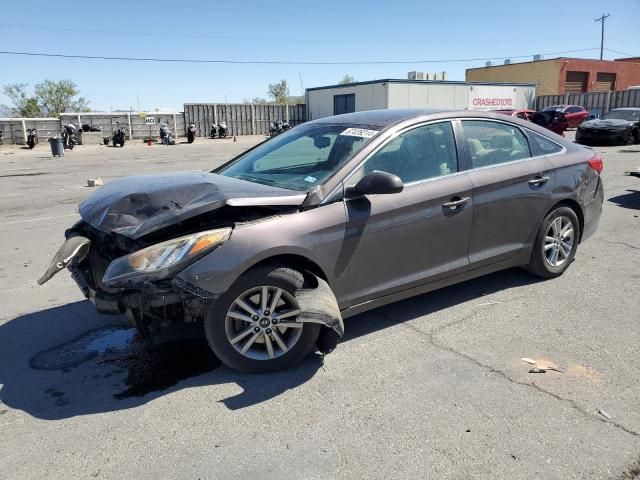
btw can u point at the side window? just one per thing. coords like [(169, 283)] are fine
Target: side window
[(545, 146), (491, 143), (574, 109), (424, 152)]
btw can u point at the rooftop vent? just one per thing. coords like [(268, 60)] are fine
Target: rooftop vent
[(507, 61), (538, 57)]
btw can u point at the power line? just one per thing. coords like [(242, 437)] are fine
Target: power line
[(213, 37), (621, 53), (275, 62)]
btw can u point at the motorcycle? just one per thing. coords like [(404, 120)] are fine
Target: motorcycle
[(213, 133), (69, 137), (191, 132), (276, 128), (32, 137), (222, 130), (90, 128), (118, 136), (165, 135)]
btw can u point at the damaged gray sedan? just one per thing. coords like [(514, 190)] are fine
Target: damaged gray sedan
[(267, 254)]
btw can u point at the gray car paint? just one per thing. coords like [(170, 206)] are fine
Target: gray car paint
[(355, 247)]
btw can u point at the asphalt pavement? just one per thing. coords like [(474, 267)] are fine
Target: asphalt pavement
[(432, 387)]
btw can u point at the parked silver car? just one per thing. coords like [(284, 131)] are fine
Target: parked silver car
[(267, 254)]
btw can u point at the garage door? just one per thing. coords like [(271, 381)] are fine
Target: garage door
[(605, 82), (576, 82)]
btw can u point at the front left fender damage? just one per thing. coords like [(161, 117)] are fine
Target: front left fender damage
[(318, 304)]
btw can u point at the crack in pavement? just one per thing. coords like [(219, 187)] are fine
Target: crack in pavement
[(430, 336), (620, 243)]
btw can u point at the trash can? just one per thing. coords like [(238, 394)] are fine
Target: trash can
[(57, 147)]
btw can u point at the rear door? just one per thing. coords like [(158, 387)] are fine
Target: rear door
[(420, 234), (511, 189)]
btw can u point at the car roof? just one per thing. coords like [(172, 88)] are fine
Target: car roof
[(379, 118)]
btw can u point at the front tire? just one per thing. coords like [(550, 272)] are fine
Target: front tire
[(252, 328), (556, 243)]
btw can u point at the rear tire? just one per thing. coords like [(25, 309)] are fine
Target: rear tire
[(217, 324), (629, 138), (556, 243)]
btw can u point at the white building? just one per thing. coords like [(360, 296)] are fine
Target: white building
[(450, 95)]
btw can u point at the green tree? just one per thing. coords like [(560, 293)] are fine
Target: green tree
[(347, 79), (55, 98), (279, 92), (23, 104), (50, 99)]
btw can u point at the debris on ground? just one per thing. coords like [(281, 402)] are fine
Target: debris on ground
[(541, 366), (604, 414), (95, 182)]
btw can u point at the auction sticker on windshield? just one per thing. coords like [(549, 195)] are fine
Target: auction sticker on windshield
[(359, 132)]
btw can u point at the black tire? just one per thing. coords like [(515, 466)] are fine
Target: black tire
[(31, 144), (629, 138), (214, 323), (539, 265), (122, 142)]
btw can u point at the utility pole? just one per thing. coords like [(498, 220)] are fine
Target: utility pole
[(601, 20)]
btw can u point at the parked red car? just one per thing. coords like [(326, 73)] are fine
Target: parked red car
[(551, 120), (575, 114)]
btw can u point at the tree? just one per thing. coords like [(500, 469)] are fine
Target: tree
[(55, 98), (279, 92), (50, 99), (347, 79), (23, 105)]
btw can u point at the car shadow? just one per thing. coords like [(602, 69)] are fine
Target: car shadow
[(53, 376), (627, 200)]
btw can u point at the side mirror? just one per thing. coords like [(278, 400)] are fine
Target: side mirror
[(377, 182)]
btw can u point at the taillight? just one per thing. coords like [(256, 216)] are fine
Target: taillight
[(596, 163)]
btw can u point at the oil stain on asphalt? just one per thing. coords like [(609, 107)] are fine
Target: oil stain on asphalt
[(148, 369)]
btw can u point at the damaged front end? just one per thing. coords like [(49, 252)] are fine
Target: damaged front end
[(138, 233), (123, 276)]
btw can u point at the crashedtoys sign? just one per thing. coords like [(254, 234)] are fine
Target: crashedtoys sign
[(486, 97)]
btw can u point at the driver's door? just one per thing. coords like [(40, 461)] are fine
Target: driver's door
[(419, 235)]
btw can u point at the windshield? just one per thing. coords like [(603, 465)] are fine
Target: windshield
[(631, 115), (301, 157)]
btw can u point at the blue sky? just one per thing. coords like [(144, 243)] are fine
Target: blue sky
[(331, 30)]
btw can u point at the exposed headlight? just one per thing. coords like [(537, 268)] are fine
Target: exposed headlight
[(156, 260)]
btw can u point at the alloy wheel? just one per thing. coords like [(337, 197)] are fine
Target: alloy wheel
[(261, 323), (558, 241)]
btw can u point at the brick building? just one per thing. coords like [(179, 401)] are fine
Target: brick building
[(558, 76)]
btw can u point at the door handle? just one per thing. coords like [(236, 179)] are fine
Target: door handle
[(454, 204), (538, 181)]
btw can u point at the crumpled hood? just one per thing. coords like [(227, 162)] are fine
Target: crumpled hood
[(613, 123), (138, 205)]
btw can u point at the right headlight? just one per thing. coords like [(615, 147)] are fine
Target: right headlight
[(157, 260)]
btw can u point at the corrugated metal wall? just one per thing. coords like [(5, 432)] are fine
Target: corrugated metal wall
[(241, 119), (598, 103), (139, 129)]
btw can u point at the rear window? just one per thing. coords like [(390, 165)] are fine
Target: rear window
[(492, 143), (545, 145)]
